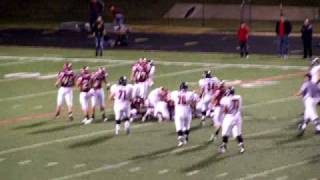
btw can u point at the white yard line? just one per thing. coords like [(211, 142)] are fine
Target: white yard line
[(62, 140), (163, 171), (273, 170), (51, 164), (290, 98), (282, 178), (191, 173), (172, 62), (54, 74), (25, 162), (135, 169), (55, 91), (16, 63), (222, 175), (2, 159), (88, 172), (79, 165)]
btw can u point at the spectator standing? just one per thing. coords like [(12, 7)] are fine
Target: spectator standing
[(96, 10), (283, 29), (117, 15), (243, 36), (99, 32), (306, 36)]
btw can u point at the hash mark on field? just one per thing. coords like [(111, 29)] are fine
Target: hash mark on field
[(314, 179), (135, 169), (192, 173), (88, 172), (183, 149), (26, 162), (37, 107), (164, 171), (222, 175), (33, 146), (273, 170), (79, 165), (2, 159), (282, 178), (50, 164)]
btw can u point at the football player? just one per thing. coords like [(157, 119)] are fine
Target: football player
[(139, 76), (207, 86), (312, 98), (153, 109), (184, 101), (151, 68), (121, 95), (84, 83), (65, 82), (99, 79), (217, 115), (138, 109), (232, 122)]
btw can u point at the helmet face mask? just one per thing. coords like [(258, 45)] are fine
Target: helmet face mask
[(122, 81), (315, 61), (230, 91), (184, 86), (85, 69), (67, 66), (207, 74)]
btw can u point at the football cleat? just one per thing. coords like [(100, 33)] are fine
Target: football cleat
[(180, 144), (213, 138), (222, 148), (89, 121)]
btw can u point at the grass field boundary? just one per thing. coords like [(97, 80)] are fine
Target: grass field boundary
[(171, 62)]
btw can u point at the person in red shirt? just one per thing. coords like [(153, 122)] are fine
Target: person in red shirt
[(243, 35), (283, 29)]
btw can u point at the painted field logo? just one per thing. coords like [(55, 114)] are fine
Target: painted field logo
[(259, 84)]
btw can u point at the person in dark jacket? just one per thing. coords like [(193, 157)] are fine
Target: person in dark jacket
[(99, 32), (306, 36), (283, 29), (243, 35)]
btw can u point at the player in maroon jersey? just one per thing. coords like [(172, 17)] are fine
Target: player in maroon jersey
[(218, 115), (65, 82), (138, 109), (139, 76), (84, 83), (99, 80)]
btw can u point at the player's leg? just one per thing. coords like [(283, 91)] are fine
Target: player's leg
[(117, 116), (187, 125), (151, 103), (133, 114), (84, 106), (101, 102), (69, 101), (126, 116), (59, 101), (178, 123), (237, 133), (226, 131), (94, 103)]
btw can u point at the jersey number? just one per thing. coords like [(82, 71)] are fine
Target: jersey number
[(235, 106), (182, 100), (122, 95)]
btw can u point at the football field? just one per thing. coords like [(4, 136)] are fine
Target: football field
[(36, 146)]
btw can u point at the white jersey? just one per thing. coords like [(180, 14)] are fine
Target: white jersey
[(207, 85), (232, 104), (183, 100), (314, 72), (122, 94), (155, 94)]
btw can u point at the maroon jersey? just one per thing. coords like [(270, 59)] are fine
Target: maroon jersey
[(97, 79), (140, 72), (218, 94), (85, 82), (66, 78), (138, 104)]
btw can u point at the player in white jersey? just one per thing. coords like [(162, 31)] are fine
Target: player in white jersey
[(315, 70), (232, 122), (184, 101), (207, 85), (160, 111), (312, 98), (121, 94), (65, 82)]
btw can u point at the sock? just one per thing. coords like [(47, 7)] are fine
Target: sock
[(186, 134), (217, 131), (180, 135), (126, 125), (240, 139), (225, 139)]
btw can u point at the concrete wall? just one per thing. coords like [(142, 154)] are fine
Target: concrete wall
[(215, 11)]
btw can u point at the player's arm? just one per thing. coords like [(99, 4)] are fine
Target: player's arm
[(132, 75), (78, 82), (58, 82)]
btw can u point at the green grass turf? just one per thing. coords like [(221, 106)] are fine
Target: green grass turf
[(273, 150)]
